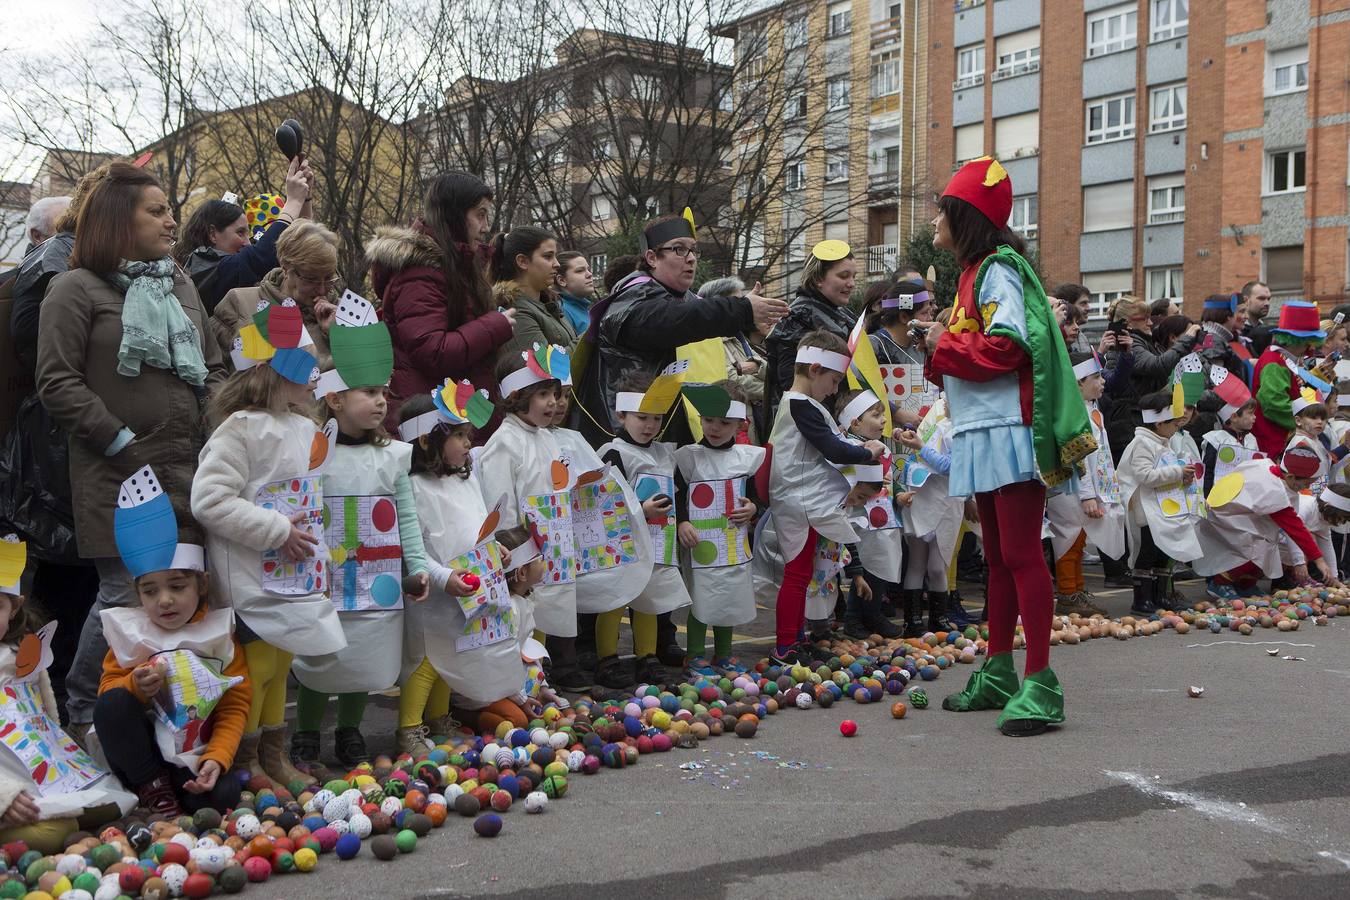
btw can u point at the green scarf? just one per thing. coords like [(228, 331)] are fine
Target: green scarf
[(155, 330), (1060, 429)]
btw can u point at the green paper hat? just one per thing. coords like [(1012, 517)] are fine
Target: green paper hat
[(1190, 374), (362, 350), (713, 401)]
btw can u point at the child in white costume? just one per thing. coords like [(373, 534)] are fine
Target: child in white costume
[(523, 462), (649, 466), (932, 520), (450, 509), (1095, 512), (1232, 443), (258, 492)]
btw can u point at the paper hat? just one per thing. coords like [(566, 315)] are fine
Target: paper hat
[(1229, 303), (864, 472), (660, 394), (1301, 461), (276, 336), (1189, 376), (827, 359), (1152, 416), (526, 553), (1300, 319), (13, 559), (668, 230), (542, 363), (146, 529), (261, 211), (1306, 398), (1087, 367), (985, 185), (1231, 390), (363, 352), (713, 401), (1334, 500), (856, 407), (831, 250), (456, 404)]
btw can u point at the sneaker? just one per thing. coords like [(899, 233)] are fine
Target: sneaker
[(699, 665), (444, 726), (796, 655), (671, 655), (612, 672), (349, 746), (730, 666), (650, 670), (572, 680), (1221, 591), (305, 748), (413, 740), (158, 799), (1076, 604), (1251, 590)]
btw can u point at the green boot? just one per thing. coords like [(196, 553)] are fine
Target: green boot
[(990, 687), (1038, 704)]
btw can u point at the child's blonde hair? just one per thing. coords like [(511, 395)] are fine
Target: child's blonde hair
[(258, 388)]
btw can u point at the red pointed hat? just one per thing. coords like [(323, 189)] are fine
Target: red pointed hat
[(985, 185)]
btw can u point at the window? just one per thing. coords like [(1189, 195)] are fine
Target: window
[(1287, 71), (1111, 30), (1164, 284), (1106, 288), (1110, 119), (1169, 19), (969, 66), (599, 262), (1018, 53), (837, 90), (1166, 199), (1024, 213), (885, 74), (601, 211), (794, 32), (796, 175), (1284, 269), (1167, 107), (969, 142), (836, 167), (841, 19), (646, 87), (892, 160), (837, 231), (604, 148), (1108, 206), (1285, 171), (796, 105), (1017, 135)]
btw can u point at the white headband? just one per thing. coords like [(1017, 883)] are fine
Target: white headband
[(735, 410), (856, 407), (189, 556), (1300, 404), (1087, 367), (869, 472), (1165, 414), (526, 553), (1227, 410), (521, 379), (329, 382), (1331, 498), (417, 426), (628, 401), (827, 359)]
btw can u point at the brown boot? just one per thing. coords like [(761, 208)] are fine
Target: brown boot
[(246, 757), (275, 764), (158, 799)]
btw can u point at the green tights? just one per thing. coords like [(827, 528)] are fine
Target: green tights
[(696, 636), (311, 705)]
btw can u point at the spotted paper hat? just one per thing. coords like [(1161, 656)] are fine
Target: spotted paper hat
[(261, 211), (146, 529), (363, 351), (276, 336), (542, 363), (1231, 390), (1189, 376), (13, 560), (456, 404), (660, 394)]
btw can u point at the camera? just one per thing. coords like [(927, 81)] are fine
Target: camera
[(1117, 327)]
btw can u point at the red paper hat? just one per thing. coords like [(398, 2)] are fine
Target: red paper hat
[(1301, 461), (1300, 319), (985, 185)]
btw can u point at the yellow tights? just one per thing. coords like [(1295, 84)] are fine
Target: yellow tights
[(424, 695), (607, 633), (267, 670)]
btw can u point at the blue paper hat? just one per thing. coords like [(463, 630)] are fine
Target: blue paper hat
[(146, 529), (1229, 303)]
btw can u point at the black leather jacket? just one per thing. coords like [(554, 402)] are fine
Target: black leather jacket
[(809, 311), (45, 262)]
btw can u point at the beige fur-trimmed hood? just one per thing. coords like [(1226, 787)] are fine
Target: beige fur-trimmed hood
[(395, 249)]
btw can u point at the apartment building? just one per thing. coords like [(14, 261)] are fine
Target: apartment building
[(1152, 152), (850, 141)]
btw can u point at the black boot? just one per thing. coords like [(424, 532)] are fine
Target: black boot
[(913, 624), (1165, 595), (1145, 591), (937, 611)]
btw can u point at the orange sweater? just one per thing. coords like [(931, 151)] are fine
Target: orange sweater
[(231, 713)]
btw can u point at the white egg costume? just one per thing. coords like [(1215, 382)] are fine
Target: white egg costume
[(805, 491), (1241, 530), (934, 515), (1150, 476), (881, 539), (651, 471), (720, 583), (1065, 510)]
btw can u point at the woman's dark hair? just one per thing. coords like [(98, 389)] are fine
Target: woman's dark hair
[(1169, 329), (1070, 293), (1218, 314), (1080, 356), (103, 231), (1073, 315), (1160, 306), (875, 292), (450, 196), (619, 268), (520, 400), (429, 460), (566, 258), (217, 214), (507, 245), (974, 235)]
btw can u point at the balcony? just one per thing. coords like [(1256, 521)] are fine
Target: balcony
[(963, 5), (880, 182), (968, 81), (886, 32), (881, 259), (1022, 68)]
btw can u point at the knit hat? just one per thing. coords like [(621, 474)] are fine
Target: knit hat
[(985, 185)]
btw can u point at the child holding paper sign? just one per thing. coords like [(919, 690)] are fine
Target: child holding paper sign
[(258, 492)]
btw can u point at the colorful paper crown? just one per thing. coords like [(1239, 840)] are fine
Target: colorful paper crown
[(660, 394), (856, 407), (363, 352), (13, 559), (1189, 376), (1301, 461), (146, 529), (542, 363), (456, 404), (261, 211), (1300, 318), (713, 401), (1231, 390), (276, 336), (985, 185)]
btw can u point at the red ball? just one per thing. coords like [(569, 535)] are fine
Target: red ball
[(257, 869), (173, 853), (327, 838), (848, 728), (482, 795), (198, 886), (501, 801), (472, 581), (130, 880), (644, 744)]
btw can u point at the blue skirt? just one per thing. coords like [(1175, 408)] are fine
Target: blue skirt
[(986, 459)]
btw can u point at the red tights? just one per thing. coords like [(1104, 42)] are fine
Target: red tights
[(1018, 578), (791, 612)]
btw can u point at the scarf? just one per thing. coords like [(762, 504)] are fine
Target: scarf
[(1060, 430), (155, 330)]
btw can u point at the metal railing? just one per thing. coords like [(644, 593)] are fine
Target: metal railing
[(1022, 68), (969, 81), (881, 258)]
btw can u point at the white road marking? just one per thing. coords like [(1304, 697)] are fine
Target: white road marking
[(1205, 806), (1340, 858), (1250, 644)]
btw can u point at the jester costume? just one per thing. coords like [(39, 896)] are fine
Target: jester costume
[(1019, 426), (1279, 378)]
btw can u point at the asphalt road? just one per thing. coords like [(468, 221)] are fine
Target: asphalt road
[(1143, 792)]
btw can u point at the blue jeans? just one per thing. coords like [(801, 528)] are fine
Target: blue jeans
[(86, 669)]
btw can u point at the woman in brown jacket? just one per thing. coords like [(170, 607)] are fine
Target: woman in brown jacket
[(124, 367), (307, 257)]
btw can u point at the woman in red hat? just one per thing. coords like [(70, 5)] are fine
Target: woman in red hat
[(1279, 376), (1020, 425)]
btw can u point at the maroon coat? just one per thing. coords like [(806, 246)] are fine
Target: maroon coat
[(432, 341)]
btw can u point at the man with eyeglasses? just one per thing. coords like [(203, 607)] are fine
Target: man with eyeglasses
[(651, 313)]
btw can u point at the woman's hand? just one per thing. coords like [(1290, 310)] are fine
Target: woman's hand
[(766, 311), (207, 774), (1107, 343), (876, 448), (688, 535), (747, 367), (23, 811), (297, 188), (325, 312), (298, 543)]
